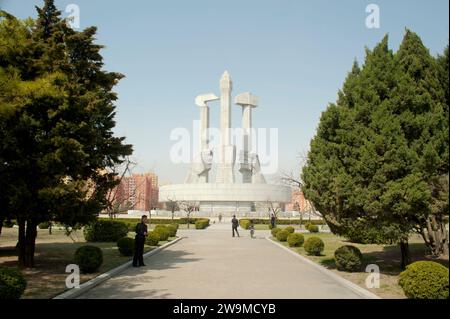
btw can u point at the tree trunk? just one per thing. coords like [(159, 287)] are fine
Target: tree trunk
[(27, 243), (189, 220), (406, 258), (436, 236)]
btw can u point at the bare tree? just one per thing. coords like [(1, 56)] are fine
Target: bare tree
[(172, 205), (188, 207)]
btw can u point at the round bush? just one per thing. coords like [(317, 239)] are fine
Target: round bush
[(152, 239), (12, 283), (105, 230), (290, 229), (313, 228), (126, 246), (244, 223), (44, 225), (162, 233), (295, 240), (271, 227), (348, 258), (314, 246), (88, 258), (425, 280), (172, 230), (275, 231), (282, 235)]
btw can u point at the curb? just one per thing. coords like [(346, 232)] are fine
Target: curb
[(354, 287), (88, 285)]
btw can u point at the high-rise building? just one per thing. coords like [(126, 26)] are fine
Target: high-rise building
[(137, 192)]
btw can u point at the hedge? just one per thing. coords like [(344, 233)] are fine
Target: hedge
[(105, 231), (12, 283), (244, 223), (202, 223), (425, 280)]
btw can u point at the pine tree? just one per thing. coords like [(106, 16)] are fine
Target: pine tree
[(58, 140), (377, 152)]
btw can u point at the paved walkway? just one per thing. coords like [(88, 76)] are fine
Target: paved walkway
[(211, 264)]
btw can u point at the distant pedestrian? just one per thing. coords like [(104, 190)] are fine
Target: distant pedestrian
[(234, 225), (139, 241), (220, 218), (272, 220), (251, 227)]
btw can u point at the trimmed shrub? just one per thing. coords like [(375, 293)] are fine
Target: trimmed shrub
[(201, 224), (162, 232), (290, 229), (282, 235), (172, 230), (295, 240), (44, 225), (313, 228), (244, 223), (88, 258), (271, 227), (105, 230), (275, 231), (12, 283), (425, 280), (126, 246), (152, 239), (314, 246), (348, 258)]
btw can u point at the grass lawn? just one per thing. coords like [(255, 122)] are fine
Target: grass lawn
[(387, 257), (53, 253)]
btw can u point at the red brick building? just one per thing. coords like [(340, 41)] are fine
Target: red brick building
[(137, 192), (298, 202)]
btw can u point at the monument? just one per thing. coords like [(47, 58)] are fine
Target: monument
[(226, 195)]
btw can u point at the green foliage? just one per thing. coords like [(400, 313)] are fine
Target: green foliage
[(126, 246), (295, 240), (44, 225), (105, 230), (313, 228), (314, 246), (201, 224), (172, 230), (275, 231), (282, 235), (88, 258), (348, 258), (290, 229), (244, 223), (425, 280), (152, 239), (12, 283), (57, 124), (381, 146), (162, 232)]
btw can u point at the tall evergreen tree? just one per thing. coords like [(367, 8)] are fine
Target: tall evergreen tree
[(62, 140), (372, 162)]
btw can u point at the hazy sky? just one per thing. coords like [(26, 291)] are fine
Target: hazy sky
[(293, 54)]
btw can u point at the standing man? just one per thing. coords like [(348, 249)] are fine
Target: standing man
[(272, 220), (234, 225), (220, 218), (139, 241)]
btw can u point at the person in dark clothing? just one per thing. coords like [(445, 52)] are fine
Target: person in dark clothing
[(234, 225), (272, 220), (139, 241)]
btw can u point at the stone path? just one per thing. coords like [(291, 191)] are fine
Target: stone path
[(211, 264)]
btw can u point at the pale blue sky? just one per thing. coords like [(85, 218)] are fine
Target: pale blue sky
[(293, 54)]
